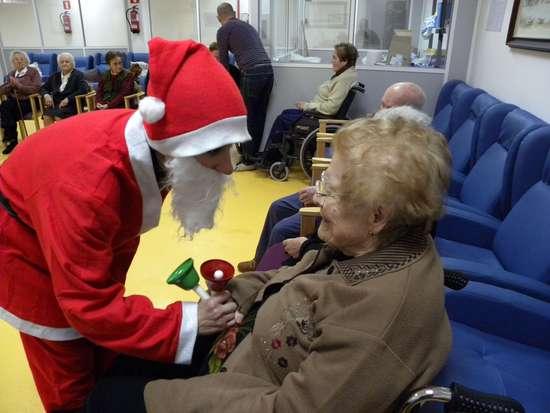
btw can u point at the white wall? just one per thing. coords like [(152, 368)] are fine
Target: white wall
[(104, 23), (174, 19), (17, 23), (517, 76)]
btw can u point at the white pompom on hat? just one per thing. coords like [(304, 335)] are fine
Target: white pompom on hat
[(151, 109), (193, 105)]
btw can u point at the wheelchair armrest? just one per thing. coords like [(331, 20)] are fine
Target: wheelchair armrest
[(461, 399)]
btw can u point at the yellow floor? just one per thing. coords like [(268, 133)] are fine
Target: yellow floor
[(233, 239)]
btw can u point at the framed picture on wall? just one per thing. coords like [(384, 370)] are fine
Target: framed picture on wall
[(530, 25)]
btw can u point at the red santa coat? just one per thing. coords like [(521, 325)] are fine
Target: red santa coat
[(85, 190)]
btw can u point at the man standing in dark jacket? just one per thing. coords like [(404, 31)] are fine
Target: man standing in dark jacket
[(243, 41)]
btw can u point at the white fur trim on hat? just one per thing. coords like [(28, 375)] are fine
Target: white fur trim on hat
[(215, 135), (151, 109)]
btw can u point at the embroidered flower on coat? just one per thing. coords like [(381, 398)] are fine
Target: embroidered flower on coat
[(227, 344), (276, 344), (291, 341), (282, 362)]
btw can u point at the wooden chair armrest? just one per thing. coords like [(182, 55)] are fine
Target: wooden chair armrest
[(91, 100), (128, 98), (316, 171), (324, 122), (308, 216), (33, 99), (325, 137), (321, 160), (321, 143)]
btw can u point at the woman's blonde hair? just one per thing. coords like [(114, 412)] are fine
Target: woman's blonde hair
[(395, 164)]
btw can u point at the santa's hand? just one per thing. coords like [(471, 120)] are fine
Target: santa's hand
[(216, 314)]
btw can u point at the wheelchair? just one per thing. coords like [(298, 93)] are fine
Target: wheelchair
[(300, 142)]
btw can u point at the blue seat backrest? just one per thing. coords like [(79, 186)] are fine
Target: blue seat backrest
[(83, 63), (453, 92), (528, 163), (483, 187), (47, 62), (102, 65), (138, 57), (521, 243), (465, 134)]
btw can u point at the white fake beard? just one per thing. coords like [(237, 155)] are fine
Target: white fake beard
[(196, 193)]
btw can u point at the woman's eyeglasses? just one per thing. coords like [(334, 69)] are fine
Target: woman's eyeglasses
[(321, 188)]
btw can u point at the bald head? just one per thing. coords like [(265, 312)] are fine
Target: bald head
[(225, 11), (403, 94)]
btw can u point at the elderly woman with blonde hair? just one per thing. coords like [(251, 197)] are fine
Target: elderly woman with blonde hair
[(60, 90), (22, 82), (352, 327)]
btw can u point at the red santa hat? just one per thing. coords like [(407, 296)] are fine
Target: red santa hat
[(193, 105)]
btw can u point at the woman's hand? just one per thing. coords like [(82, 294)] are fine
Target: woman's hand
[(64, 103), (48, 101), (306, 196), (14, 82), (292, 246), (216, 314), (300, 105)]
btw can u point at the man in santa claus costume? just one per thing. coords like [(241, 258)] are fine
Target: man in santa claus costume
[(75, 198)]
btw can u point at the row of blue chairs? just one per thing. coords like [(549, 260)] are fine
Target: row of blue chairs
[(47, 62), (494, 233)]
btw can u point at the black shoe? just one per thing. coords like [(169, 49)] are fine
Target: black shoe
[(10, 147)]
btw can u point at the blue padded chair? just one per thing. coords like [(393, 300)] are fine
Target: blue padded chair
[(494, 157), (501, 345), (102, 65), (138, 57), (464, 138), (453, 93), (47, 62), (513, 254), (84, 63)]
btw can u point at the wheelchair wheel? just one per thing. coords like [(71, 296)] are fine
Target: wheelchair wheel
[(278, 171), (308, 148)]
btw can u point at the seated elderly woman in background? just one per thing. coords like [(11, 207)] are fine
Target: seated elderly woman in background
[(115, 83), (351, 327), (330, 96), (22, 81), (60, 90)]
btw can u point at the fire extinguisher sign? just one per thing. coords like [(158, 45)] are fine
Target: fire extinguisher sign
[(66, 5)]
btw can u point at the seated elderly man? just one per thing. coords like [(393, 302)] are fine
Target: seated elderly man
[(352, 327), (283, 220)]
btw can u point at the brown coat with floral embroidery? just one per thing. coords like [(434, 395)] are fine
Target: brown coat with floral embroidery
[(350, 336)]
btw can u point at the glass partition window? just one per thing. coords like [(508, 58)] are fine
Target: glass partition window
[(386, 32)]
